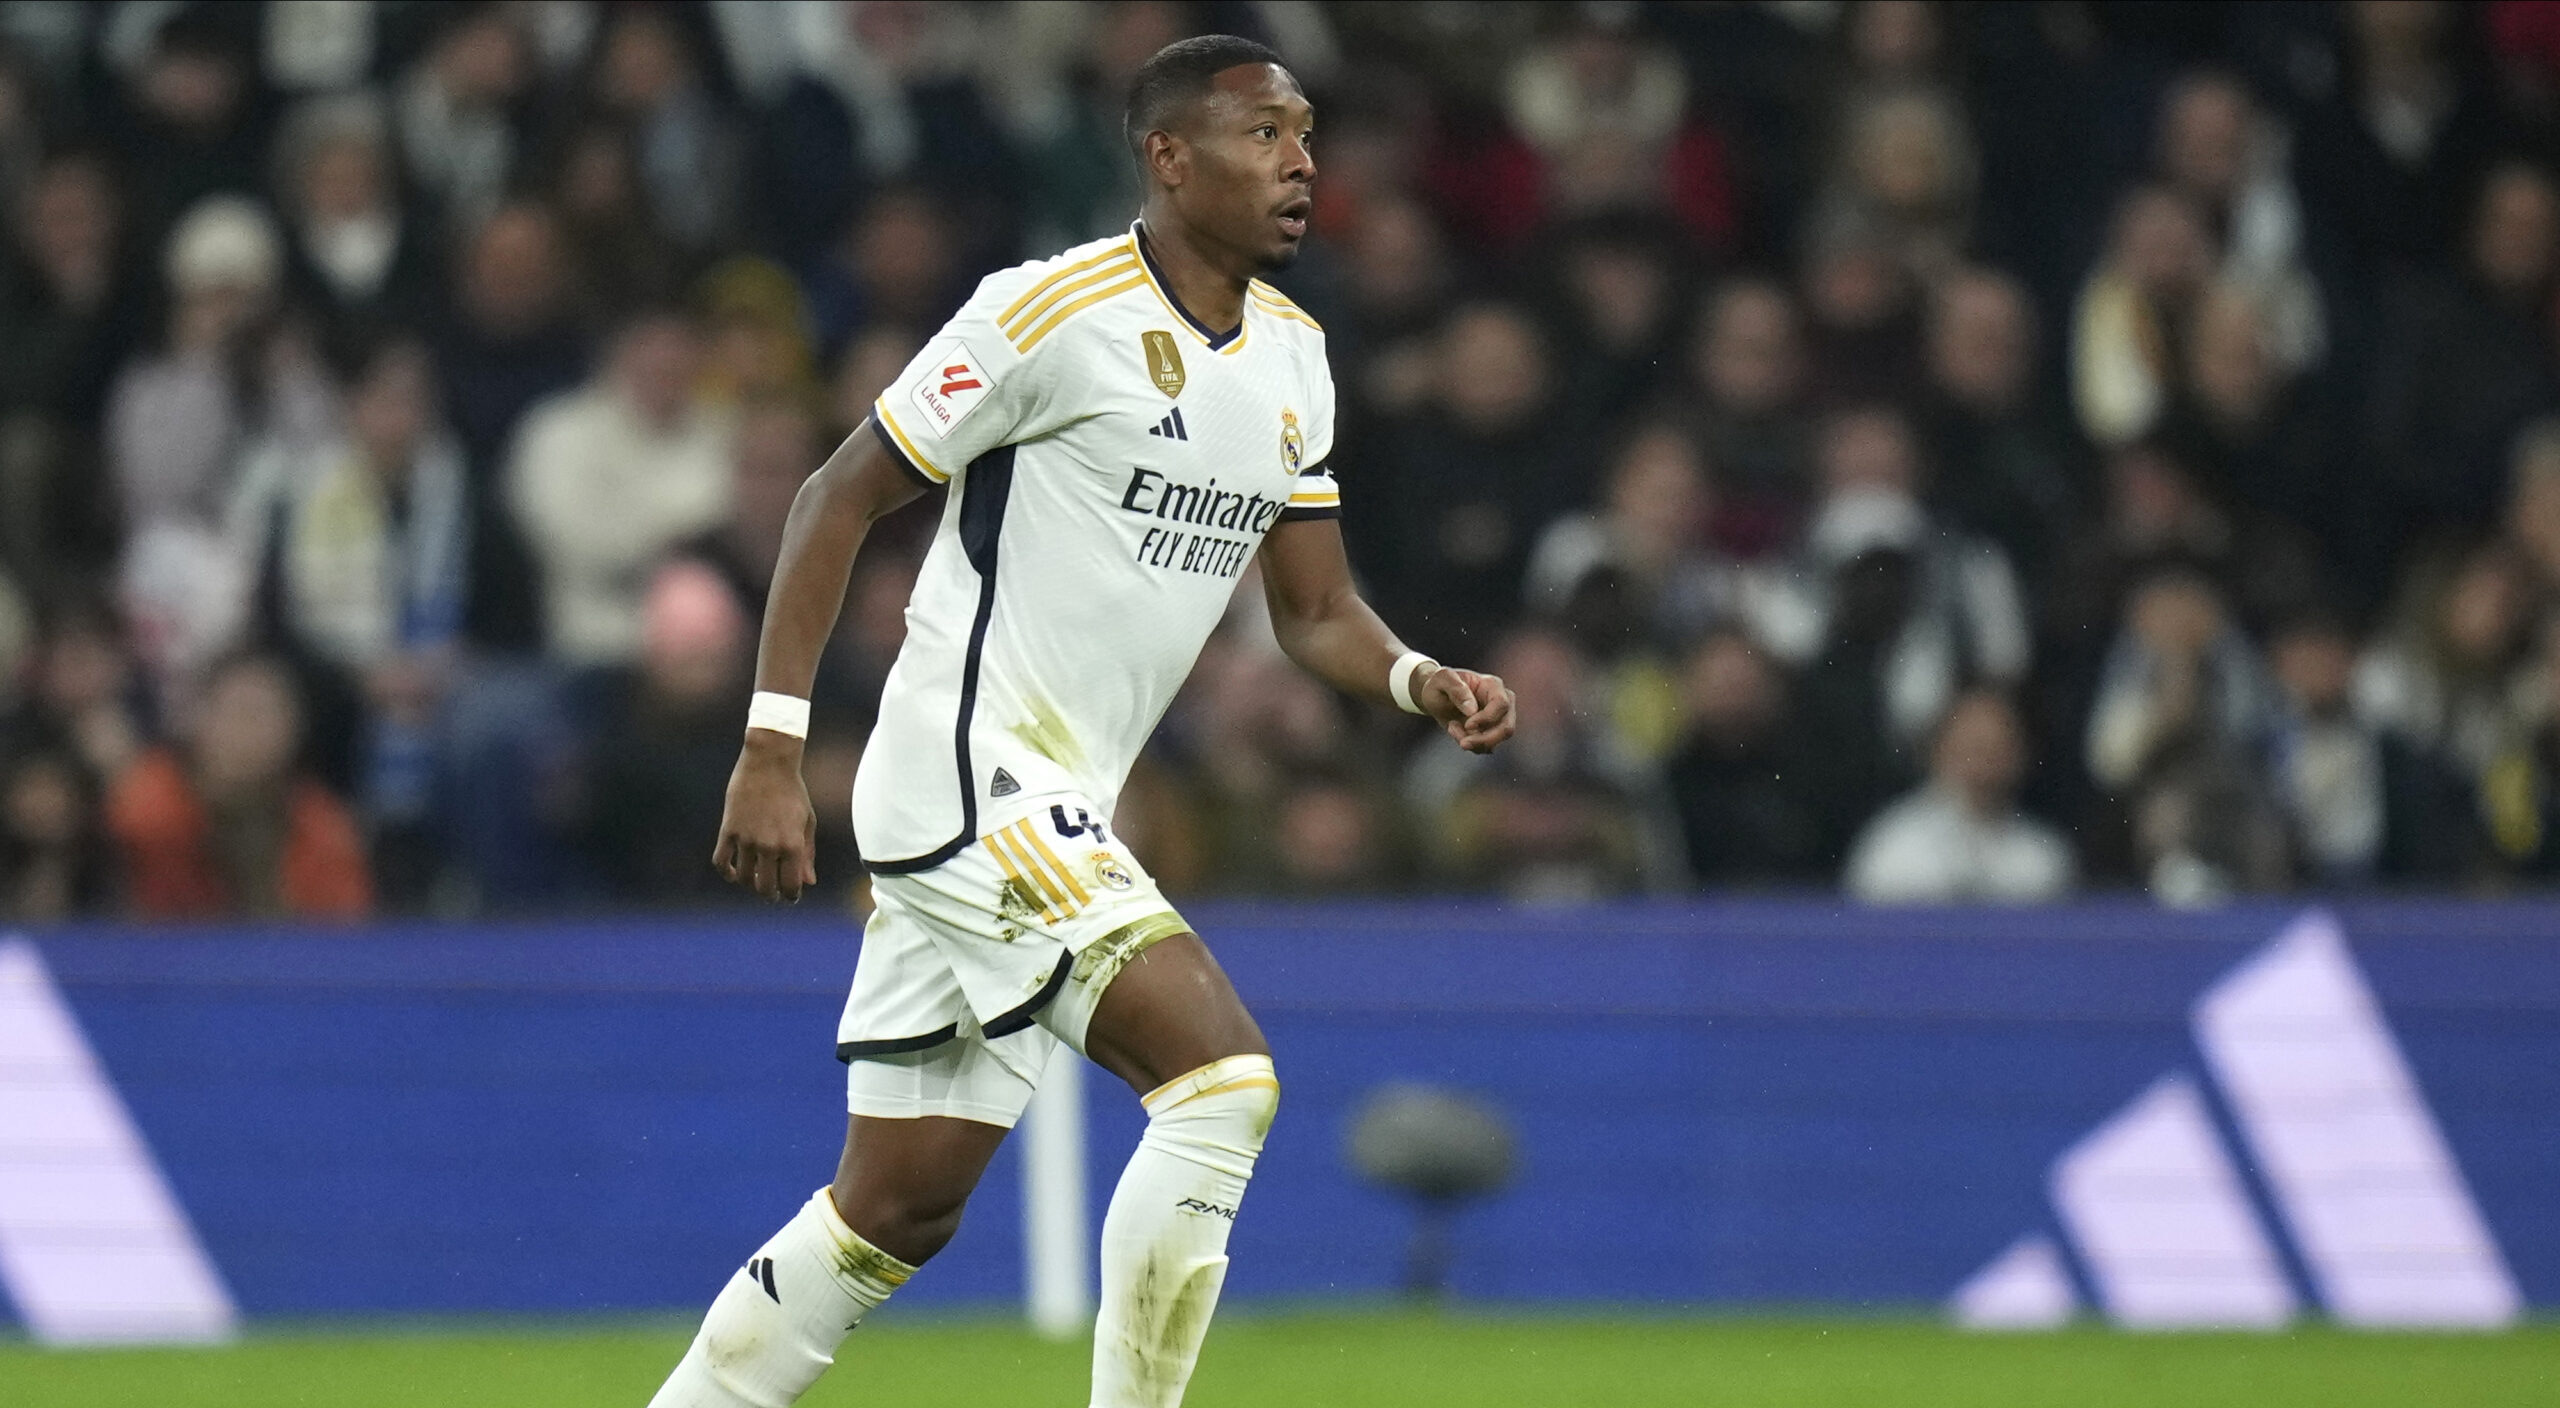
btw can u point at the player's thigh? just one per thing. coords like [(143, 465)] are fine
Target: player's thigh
[(1169, 1012), (924, 1125)]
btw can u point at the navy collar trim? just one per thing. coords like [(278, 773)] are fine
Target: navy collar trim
[(1216, 340)]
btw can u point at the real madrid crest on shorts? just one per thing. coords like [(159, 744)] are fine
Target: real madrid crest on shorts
[(1164, 361), (1109, 872), (1293, 446)]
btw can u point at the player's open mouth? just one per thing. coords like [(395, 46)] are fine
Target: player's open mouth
[(1293, 218)]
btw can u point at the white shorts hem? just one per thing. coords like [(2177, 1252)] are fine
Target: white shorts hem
[(889, 1107)]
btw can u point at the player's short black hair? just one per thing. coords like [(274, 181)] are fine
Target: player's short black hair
[(1181, 72)]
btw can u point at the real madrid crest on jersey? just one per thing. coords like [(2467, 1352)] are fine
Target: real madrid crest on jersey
[(1164, 361), (1293, 446), (1108, 870)]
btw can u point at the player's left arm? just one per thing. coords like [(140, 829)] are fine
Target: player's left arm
[(1331, 633)]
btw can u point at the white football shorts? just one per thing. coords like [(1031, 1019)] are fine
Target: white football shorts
[(974, 971)]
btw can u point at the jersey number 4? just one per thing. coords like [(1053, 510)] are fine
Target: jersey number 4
[(1083, 823)]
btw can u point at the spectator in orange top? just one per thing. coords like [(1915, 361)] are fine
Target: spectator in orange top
[(230, 825)]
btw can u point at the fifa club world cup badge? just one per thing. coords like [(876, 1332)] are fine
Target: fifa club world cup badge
[(1164, 362), (1293, 446)]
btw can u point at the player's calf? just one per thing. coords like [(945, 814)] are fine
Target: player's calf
[(896, 1200), (775, 1326), (1164, 1241)]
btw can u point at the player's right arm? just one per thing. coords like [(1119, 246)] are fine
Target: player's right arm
[(974, 387), (768, 830)]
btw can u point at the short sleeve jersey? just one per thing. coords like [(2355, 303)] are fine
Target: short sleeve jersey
[(1113, 465)]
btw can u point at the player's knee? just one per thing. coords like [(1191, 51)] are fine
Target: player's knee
[(1217, 1115), (928, 1229), (1258, 1102), (909, 1224)]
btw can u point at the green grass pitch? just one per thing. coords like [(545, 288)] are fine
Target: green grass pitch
[(1346, 1360)]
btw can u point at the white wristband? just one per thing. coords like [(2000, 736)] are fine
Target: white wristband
[(779, 712), (1400, 679)]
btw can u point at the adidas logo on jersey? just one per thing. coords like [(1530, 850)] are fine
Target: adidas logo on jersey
[(1004, 785), (1171, 427)]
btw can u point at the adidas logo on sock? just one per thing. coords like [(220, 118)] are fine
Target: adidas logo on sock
[(1171, 427), (760, 1271), (1004, 785)]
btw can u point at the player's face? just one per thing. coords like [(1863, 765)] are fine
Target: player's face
[(1253, 165)]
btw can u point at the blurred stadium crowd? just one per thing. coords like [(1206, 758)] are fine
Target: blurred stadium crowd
[(1949, 451)]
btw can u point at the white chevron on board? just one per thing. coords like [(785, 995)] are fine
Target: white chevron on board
[(2363, 1183), (93, 1247), (2156, 1210), (2023, 1288), (2335, 1123)]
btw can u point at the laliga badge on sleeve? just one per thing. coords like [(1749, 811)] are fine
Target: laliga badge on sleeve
[(953, 383)]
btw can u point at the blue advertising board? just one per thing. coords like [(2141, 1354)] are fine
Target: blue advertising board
[(2021, 1115)]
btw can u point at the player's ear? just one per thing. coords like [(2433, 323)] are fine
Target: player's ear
[(1168, 158)]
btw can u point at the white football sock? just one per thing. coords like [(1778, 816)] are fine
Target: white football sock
[(775, 1327), (1164, 1241)]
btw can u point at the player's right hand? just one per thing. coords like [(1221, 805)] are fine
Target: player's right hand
[(768, 831)]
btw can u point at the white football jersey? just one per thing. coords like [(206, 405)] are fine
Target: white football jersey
[(1113, 466)]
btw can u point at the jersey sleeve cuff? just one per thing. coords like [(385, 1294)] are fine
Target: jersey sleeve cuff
[(895, 442), (1298, 514)]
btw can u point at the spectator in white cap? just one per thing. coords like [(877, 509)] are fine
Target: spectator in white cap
[(223, 377), (226, 245)]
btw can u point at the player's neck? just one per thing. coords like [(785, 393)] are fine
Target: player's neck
[(1211, 296)]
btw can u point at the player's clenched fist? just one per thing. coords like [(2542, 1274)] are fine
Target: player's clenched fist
[(1474, 708), (768, 831)]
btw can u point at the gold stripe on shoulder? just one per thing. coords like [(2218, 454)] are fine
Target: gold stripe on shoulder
[(1273, 296), (1277, 304), (1032, 339), (1120, 249), (1067, 288)]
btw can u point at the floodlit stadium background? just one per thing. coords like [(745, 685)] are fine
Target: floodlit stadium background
[(2091, 470)]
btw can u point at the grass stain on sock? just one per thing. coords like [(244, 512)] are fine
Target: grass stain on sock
[(1160, 1339)]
